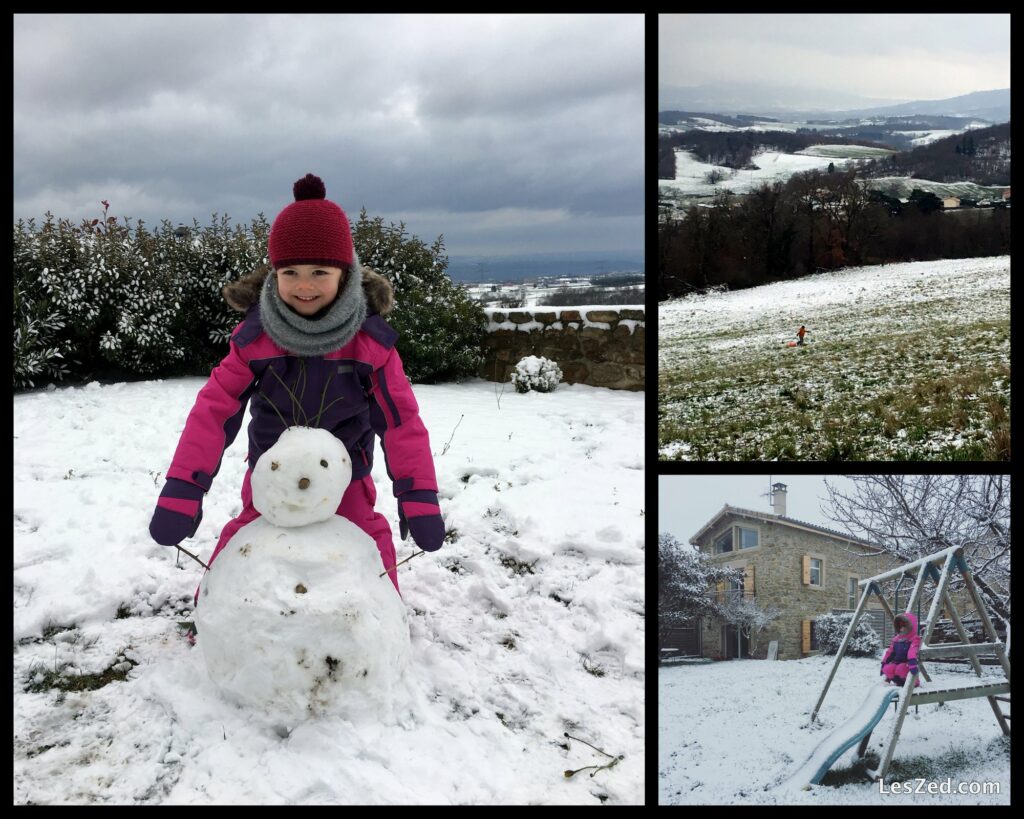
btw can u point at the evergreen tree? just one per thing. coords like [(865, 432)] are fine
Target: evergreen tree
[(442, 329)]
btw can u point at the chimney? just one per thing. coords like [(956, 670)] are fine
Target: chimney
[(779, 498)]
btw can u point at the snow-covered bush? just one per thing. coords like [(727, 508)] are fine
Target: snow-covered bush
[(442, 329), (102, 297), (37, 343), (536, 373), (201, 260), (831, 628)]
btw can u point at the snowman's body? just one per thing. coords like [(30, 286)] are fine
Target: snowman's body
[(293, 616)]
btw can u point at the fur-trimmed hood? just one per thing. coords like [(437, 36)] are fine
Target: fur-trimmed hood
[(245, 292)]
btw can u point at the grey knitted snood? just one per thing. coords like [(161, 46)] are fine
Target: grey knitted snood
[(306, 337)]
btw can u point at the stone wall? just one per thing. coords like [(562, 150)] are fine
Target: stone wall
[(599, 346)]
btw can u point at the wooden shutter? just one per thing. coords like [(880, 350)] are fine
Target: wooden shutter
[(805, 645), (748, 581), (720, 591), (807, 570)]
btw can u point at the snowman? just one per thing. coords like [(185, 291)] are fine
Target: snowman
[(294, 618)]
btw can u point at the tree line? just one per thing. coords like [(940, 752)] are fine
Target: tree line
[(981, 156), (812, 222)]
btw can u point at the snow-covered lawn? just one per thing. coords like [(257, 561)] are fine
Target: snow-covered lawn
[(728, 732), (903, 362), (528, 624)]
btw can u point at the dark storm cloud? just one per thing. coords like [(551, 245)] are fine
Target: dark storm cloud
[(457, 117)]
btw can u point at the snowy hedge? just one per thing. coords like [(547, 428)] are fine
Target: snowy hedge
[(102, 298), (831, 628), (441, 328)]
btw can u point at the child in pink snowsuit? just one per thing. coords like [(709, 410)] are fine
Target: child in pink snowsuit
[(901, 657), (311, 351)]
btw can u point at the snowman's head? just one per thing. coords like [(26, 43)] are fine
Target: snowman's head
[(301, 479)]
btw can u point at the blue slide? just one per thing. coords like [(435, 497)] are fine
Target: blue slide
[(844, 737)]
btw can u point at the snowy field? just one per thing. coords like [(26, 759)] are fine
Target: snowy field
[(532, 295), (903, 362), (773, 166), (728, 732), (902, 186), (527, 624)]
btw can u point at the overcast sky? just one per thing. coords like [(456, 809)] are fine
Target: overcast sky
[(508, 134), (891, 56), (687, 502)]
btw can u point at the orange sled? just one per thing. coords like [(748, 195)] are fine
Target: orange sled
[(791, 344)]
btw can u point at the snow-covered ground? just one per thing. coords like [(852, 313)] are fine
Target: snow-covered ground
[(729, 732), (528, 624), (773, 166), (902, 186), (729, 389)]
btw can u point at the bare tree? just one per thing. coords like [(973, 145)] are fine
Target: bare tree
[(749, 617), (912, 516)]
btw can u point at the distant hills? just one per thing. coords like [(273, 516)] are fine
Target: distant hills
[(533, 265), (993, 106), (981, 156), (753, 98)]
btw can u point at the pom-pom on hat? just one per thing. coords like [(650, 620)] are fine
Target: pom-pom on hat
[(311, 230)]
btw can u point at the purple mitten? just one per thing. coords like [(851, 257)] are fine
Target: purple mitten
[(178, 512), (420, 516)]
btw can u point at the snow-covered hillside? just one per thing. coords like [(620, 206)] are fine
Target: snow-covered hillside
[(903, 361), (528, 624)]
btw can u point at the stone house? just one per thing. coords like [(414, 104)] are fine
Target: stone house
[(802, 569)]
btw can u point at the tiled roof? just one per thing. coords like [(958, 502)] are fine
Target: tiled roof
[(773, 518)]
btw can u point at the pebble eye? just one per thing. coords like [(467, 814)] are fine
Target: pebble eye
[(273, 465), (323, 464)]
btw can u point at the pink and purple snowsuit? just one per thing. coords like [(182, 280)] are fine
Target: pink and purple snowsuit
[(900, 659), (354, 392)]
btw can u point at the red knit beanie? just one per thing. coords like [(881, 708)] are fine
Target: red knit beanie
[(311, 230)]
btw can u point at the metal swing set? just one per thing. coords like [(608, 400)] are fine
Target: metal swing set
[(927, 567)]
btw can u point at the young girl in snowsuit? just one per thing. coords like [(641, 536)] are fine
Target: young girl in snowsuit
[(901, 657), (311, 351)]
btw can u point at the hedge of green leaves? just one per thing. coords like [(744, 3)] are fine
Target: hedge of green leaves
[(102, 299)]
